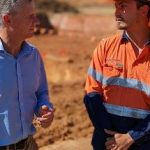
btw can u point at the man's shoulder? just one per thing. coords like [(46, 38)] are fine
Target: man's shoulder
[(30, 48), (109, 43), (112, 39)]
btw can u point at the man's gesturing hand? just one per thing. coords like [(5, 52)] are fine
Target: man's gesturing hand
[(46, 116), (118, 141)]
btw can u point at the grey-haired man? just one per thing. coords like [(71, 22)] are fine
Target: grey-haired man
[(23, 84)]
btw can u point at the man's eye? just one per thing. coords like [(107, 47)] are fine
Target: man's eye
[(122, 6)]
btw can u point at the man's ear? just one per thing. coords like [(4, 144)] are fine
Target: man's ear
[(144, 10), (6, 19)]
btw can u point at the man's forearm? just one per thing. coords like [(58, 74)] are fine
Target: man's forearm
[(96, 110)]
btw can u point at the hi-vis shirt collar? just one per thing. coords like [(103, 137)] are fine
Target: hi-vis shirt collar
[(125, 37)]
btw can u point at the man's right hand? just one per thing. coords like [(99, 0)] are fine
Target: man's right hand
[(118, 141), (46, 116)]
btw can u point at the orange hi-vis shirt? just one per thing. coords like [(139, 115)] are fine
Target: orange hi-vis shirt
[(121, 77)]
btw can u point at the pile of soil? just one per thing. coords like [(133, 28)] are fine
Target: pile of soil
[(66, 60), (78, 144), (67, 56), (72, 6)]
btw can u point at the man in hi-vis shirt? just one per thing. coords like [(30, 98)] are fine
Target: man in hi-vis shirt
[(118, 82)]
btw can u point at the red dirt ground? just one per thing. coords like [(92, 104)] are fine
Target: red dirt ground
[(67, 56)]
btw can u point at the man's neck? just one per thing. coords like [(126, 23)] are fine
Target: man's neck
[(140, 37), (11, 44)]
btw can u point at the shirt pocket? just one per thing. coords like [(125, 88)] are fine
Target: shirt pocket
[(111, 71)]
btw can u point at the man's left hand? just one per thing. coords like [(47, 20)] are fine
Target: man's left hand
[(46, 116), (118, 141)]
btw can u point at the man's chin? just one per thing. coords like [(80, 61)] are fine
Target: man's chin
[(121, 26), (30, 34)]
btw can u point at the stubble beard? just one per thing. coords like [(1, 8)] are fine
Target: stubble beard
[(121, 25)]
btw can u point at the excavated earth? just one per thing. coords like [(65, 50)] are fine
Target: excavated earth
[(66, 57)]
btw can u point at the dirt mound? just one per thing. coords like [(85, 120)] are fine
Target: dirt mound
[(76, 3), (59, 6), (66, 67), (56, 6), (67, 57), (79, 144), (85, 24)]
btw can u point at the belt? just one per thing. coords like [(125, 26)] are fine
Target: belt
[(17, 146)]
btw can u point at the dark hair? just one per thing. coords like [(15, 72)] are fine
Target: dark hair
[(141, 3)]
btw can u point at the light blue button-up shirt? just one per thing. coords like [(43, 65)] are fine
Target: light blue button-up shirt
[(23, 89)]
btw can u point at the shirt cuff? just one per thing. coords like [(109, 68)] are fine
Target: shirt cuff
[(138, 136)]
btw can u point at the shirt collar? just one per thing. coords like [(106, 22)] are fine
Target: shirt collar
[(1, 47), (125, 37), (26, 48)]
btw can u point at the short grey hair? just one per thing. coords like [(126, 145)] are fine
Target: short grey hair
[(6, 6), (9, 6)]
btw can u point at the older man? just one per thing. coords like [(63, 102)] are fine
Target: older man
[(23, 84), (118, 83)]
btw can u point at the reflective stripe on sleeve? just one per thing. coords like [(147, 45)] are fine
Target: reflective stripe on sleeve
[(126, 111), (97, 76), (123, 82)]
